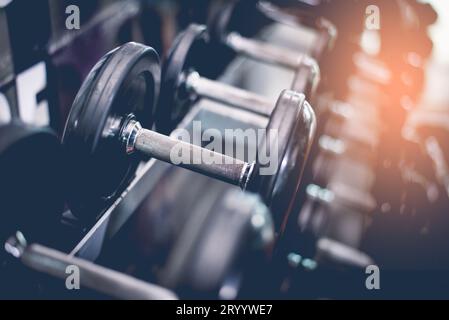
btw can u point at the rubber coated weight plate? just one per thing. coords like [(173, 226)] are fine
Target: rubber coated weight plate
[(187, 51), (218, 25), (232, 14), (126, 81), (174, 273), (222, 224), (306, 80), (293, 121), (230, 232), (230, 17), (31, 190)]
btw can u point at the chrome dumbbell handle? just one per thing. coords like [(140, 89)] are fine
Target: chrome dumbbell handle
[(329, 250), (92, 276), (283, 57), (228, 95), (202, 160), (265, 52), (328, 31)]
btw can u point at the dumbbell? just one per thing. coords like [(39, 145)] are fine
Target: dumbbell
[(182, 85), (413, 21), (406, 77), (104, 136), (430, 129), (237, 225), (31, 183), (302, 16), (100, 279), (306, 68), (339, 212), (345, 195)]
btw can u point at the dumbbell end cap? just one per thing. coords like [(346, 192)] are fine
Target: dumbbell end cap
[(247, 174), (129, 133), (16, 245)]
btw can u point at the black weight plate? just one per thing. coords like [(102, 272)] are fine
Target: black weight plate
[(187, 51), (307, 78), (219, 24), (174, 273), (6, 59), (306, 75), (31, 197), (221, 224), (126, 81), (294, 121), (233, 17), (230, 232)]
